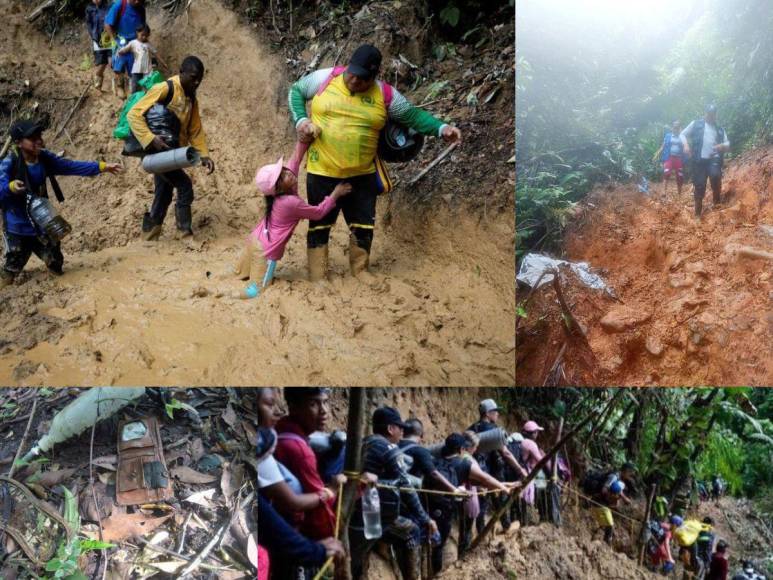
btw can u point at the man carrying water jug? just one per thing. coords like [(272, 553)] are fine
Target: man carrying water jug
[(178, 95), (23, 175), (399, 510)]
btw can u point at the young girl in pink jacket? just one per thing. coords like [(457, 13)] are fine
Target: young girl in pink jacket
[(284, 209)]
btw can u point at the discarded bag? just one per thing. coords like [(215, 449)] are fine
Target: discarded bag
[(535, 265), (142, 476)]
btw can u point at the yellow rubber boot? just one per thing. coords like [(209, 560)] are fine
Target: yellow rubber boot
[(359, 258), (317, 263)]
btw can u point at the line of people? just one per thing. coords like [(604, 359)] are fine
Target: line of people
[(299, 482)]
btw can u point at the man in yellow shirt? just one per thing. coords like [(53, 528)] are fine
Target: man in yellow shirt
[(348, 110), (184, 105)]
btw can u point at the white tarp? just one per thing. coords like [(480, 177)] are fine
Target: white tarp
[(533, 265)]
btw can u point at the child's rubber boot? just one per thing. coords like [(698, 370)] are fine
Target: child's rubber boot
[(98, 78), (150, 229), (251, 291), (120, 91), (317, 258), (359, 258)]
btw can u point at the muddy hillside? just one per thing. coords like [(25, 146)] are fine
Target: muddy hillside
[(437, 308), (692, 301), (575, 550)]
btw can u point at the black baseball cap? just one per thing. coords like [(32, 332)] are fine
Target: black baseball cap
[(386, 416), (365, 62), (23, 129)]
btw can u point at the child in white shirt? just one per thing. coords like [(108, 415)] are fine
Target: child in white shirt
[(142, 51)]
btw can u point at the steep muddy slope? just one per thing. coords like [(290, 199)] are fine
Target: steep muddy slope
[(695, 306), (437, 309)]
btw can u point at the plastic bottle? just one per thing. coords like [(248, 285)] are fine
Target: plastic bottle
[(371, 513), (47, 219), (96, 403)]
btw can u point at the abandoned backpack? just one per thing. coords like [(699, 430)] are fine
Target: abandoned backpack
[(142, 475)]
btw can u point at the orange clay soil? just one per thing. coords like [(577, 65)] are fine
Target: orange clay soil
[(692, 309)]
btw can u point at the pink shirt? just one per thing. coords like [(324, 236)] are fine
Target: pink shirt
[(530, 452), (287, 211)]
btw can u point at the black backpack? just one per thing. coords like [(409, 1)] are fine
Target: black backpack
[(161, 121), (593, 481), (512, 474), (446, 468)]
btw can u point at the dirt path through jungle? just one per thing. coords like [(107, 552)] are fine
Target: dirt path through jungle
[(436, 309), (692, 309)]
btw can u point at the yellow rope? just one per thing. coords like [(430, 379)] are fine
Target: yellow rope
[(329, 561), (601, 504)]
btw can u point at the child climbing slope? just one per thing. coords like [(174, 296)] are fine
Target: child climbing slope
[(284, 209)]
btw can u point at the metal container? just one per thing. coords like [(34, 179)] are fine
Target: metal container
[(47, 219), (489, 441), (171, 160)]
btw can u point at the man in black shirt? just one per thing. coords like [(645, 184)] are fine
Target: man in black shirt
[(493, 462), (399, 510)]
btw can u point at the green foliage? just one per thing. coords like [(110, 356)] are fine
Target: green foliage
[(450, 14)]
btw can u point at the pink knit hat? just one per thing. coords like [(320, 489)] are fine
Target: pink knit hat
[(267, 176)]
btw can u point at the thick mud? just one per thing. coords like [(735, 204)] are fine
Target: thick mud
[(438, 307), (695, 305)]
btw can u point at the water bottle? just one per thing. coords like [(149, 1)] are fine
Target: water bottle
[(371, 513), (47, 219)]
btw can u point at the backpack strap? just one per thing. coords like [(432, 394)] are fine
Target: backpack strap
[(387, 92), (19, 169), (336, 71), (50, 175), (169, 94), (121, 10)]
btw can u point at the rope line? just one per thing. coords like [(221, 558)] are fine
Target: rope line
[(585, 497), (329, 561)]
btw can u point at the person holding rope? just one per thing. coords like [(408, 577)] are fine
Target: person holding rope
[(400, 510), (277, 538), (308, 411), (493, 462)]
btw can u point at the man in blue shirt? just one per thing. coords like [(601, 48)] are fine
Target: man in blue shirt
[(121, 22), (23, 173)]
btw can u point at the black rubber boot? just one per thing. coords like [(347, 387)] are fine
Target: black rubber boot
[(184, 219), (150, 229)]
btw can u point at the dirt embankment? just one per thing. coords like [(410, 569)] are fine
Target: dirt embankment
[(438, 307), (692, 308)]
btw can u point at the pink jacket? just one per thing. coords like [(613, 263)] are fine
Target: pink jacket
[(287, 211)]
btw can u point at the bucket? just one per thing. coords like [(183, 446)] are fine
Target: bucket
[(490, 440), (47, 219), (171, 160)]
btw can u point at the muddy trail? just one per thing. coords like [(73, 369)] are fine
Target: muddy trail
[(693, 307), (437, 308)]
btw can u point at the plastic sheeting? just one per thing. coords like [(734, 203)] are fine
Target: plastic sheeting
[(534, 265)]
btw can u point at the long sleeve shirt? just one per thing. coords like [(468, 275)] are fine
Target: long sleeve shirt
[(14, 205), (185, 108), (296, 455), (288, 210), (350, 123), (382, 460), (281, 540)]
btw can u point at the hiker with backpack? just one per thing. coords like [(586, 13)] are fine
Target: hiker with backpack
[(606, 490), (399, 510), (493, 462), (121, 23), (101, 41), (671, 154), (705, 143), (23, 175), (659, 544), (349, 109), (705, 542), (177, 95), (686, 536), (478, 477)]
